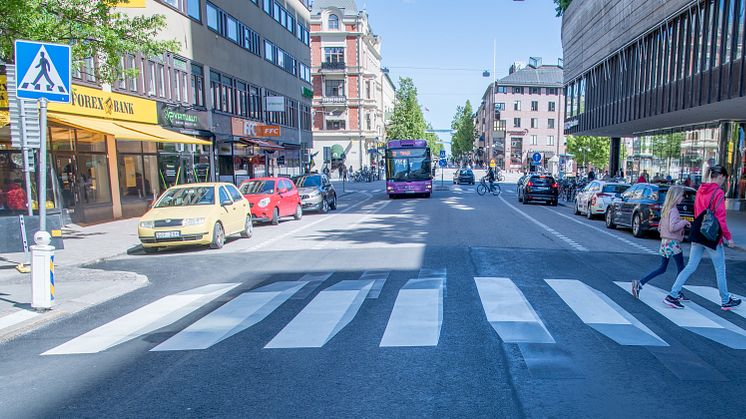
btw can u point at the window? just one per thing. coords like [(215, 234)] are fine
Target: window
[(518, 90), (255, 103), (242, 99), (552, 106), (193, 9), (132, 80), (334, 88), (534, 90), (269, 51), (290, 25), (251, 41), (305, 73), (534, 122), (550, 123), (335, 125), (212, 17), (334, 55), (89, 69), (122, 83), (500, 106), (235, 194), (303, 34), (223, 93), (516, 122), (551, 90), (231, 31), (333, 22), (161, 81), (291, 108), (151, 78), (367, 90), (305, 118), (198, 85), (550, 140), (534, 105), (367, 122), (534, 140), (502, 89), (276, 12), (517, 105), (267, 6)]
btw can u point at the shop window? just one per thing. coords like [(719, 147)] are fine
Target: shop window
[(93, 179), (91, 141), (63, 139), (125, 146)]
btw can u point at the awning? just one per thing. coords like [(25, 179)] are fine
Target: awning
[(268, 145), (124, 130), (337, 152)]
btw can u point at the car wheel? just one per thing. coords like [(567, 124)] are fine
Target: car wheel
[(637, 230), (577, 208), (275, 217), (218, 236), (589, 214), (609, 219), (248, 228), (554, 203), (324, 206), (150, 250), (525, 201), (333, 205), (298, 213), (520, 197)]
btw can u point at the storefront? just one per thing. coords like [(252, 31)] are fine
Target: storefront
[(242, 155), (191, 163), (108, 157)]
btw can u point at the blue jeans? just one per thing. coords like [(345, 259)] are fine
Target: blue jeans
[(695, 256), (678, 258)]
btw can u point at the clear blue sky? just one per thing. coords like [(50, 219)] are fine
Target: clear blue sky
[(458, 34)]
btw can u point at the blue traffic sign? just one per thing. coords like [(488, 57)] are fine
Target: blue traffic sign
[(536, 157), (442, 163), (442, 154), (43, 71)]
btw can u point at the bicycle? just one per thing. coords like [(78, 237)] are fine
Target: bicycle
[(483, 187)]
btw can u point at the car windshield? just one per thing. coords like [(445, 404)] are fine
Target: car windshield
[(307, 181), (184, 197), (466, 172), (258, 187), (615, 188)]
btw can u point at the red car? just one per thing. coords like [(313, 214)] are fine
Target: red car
[(272, 198)]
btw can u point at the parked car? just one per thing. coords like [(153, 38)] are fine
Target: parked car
[(639, 208), (463, 175), (272, 198), (196, 213), (538, 188), (596, 196), (316, 192)]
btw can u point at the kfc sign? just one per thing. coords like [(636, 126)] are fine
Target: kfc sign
[(245, 128)]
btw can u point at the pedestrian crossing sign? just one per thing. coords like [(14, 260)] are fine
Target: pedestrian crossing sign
[(43, 71)]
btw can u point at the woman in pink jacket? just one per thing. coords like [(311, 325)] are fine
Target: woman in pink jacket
[(710, 195)]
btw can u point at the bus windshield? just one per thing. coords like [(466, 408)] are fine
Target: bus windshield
[(408, 165)]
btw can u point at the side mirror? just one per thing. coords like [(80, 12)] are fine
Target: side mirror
[(226, 203)]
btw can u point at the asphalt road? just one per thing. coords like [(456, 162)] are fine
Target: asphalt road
[(453, 306)]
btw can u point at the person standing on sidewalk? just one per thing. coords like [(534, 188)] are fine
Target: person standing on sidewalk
[(672, 233), (709, 196)]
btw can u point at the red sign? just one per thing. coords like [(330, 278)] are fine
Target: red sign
[(267, 130), (245, 128)]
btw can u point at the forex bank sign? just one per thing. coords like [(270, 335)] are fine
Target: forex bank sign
[(108, 105)]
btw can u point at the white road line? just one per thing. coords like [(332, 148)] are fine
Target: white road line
[(509, 313), (550, 230), (264, 245), (712, 294), (313, 281), (621, 239), (379, 279), (436, 273), (373, 208), (417, 316), (142, 321), (233, 317), (16, 318), (327, 314), (598, 311), (693, 318)]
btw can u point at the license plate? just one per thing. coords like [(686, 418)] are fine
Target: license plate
[(167, 234), (690, 219)]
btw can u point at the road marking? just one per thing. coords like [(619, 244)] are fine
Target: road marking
[(509, 313), (144, 320), (379, 279), (693, 318), (233, 317), (712, 294), (621, 239), (555, 233), (17, 317), (264, 245), (599, 312), (436, 273), (313, 281), (417, 316), (327, 314), (373, 208)]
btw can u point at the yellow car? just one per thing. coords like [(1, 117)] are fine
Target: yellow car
[(193, 214)]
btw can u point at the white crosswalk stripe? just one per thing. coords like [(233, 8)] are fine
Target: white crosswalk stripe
[(417, 315), (713, 295), (142, 321)]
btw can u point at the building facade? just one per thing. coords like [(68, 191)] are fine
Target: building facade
[(521, 115), (352, 94), (669, 74), (201, 113)]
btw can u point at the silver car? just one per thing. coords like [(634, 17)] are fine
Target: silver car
[(316, 193), (596, 196)]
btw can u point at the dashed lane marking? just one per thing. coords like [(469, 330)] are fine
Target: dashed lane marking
[(552, 231)]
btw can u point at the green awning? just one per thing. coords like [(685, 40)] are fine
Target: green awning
[(338, 153)]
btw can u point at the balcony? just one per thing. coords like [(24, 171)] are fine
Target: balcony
[(334, 100), (333, 66)]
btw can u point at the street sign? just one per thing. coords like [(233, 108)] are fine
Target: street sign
[(275, 104), (23, 122), (43, 71), (492, 163), (442, 163), (536, 157), (442, 154)]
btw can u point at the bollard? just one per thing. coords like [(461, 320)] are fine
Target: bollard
[(42, 272)]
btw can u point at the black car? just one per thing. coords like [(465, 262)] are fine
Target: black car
[(639, 208), (316, 193), (463, 176), (538, 188)]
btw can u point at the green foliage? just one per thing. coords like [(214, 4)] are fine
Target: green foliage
[(465, 131), (94, 28), (407, 121), (667, 147), (589, 150), (433, 141), (562, 5)]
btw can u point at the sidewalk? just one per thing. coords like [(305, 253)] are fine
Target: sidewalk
[(76, 286)]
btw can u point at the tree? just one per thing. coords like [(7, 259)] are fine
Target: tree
[(433, 141), (94, 28), (562, 5), (465, 131), (407, 121), (589, 150), (667, 147)]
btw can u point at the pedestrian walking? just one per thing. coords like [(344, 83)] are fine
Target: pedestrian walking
[(672, 233), (709, 233)]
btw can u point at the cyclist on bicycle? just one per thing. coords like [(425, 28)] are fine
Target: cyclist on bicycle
[(491, 177)]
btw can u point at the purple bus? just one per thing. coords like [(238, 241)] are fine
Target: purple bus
[(408, 168)]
